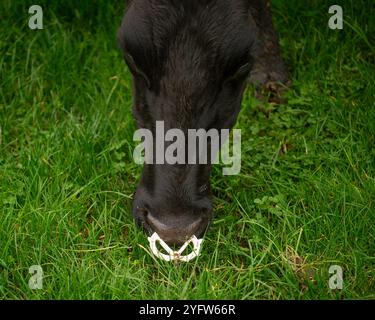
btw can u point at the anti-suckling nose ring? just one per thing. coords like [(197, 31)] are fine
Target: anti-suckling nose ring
[(175, 255)]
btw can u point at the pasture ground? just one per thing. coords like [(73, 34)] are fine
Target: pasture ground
[(304, 200)]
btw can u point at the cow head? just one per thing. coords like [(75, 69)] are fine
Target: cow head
[(189, 61)]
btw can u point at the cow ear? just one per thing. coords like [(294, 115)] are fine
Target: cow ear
[(135, 70)]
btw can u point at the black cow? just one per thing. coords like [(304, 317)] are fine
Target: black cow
[(190, 61)]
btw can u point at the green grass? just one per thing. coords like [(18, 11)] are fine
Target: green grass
[(304, 199)]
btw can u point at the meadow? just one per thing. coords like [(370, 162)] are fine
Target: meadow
[(303, 201)]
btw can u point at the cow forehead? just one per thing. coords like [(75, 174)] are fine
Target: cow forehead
[(217, 27)]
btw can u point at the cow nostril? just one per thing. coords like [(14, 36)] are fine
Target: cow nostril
[(140, 216)]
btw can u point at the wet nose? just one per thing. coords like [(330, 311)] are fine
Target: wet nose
[(176, 229)]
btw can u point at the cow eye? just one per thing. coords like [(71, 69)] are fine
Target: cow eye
[(241, 72), (244, 69), (134, 68)]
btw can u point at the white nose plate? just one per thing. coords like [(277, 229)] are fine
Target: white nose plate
[(175, 255)]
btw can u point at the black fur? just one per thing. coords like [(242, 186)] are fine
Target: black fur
[(190, 61)]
